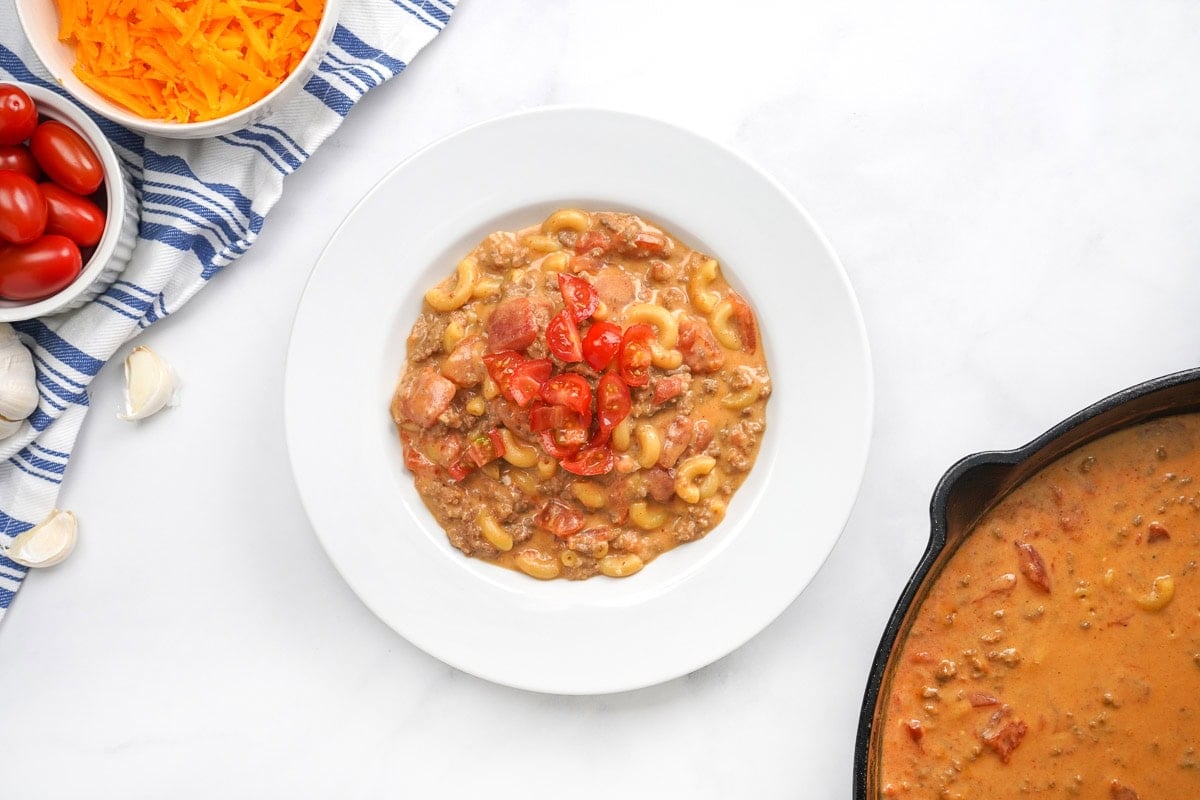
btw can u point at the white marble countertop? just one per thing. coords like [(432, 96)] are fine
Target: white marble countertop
[(1014, 190)]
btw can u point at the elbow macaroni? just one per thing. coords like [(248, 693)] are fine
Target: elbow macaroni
[(590, 494), (495, 534), (719, 321), (518, 453), (568, 219), (443, 299), (646, 517), (687, 473), (649, 446), (704, 298)]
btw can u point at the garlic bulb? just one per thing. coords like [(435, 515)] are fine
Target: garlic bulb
[(18, 382), (47, 543), (149, 384)]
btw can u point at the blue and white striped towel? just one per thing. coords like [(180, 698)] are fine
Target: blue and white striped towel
[(203, 205)]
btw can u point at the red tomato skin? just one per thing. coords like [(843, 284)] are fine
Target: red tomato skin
[(570, 391), (66, 158), (72, 216), (16, 157), (595, 460), (22, 208), (562, 336), (39, 269), (18, 114), (635, 355), (579, 296), (613, 404), (600, 344)]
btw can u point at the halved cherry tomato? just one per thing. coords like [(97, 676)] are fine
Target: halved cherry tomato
[(595, 460), (612, 405), (570, 391), (559, 518), (564, 442), (500, 365), (70, 215), (600, 344), (635, 355), (527, 380), (563, 337), (579, 296), (18, 114), (518, 378), (38, 269), (66, 157), (22, 208), (486, 447), (16, 157), (591, 241)]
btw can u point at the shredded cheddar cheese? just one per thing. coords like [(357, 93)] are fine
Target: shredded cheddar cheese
[(187, 60)]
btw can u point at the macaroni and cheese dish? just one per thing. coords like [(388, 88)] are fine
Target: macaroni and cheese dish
[(581, 396), (1057, 655)]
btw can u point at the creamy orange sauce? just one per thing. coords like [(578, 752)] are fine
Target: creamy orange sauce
[(1058, 653)]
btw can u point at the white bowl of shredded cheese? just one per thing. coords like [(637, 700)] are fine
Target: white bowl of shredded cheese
[(228, 93)]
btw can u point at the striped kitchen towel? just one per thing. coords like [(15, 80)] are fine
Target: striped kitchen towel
[(202, 206)]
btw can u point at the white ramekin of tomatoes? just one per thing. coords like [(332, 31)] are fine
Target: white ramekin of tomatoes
[(68, 214)]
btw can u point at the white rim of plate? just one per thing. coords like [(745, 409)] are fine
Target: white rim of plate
[(694, 604)]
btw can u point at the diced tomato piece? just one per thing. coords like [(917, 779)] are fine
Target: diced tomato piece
[(601, 343), (414, 459), (559, 518), (570, 391), (460, 469), (563, 442), (593, 242), (486, 447), (635, 355), (612, 405), (595, 460), (527, 380), (562, 336), (667, 388), (647, 243), (579, 296)]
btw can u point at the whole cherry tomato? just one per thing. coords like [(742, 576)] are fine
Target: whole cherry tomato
[(22, 208), (17, 158), (600, 344), (562, 336), (66, 158), (18, 114), (39, 269), (70, 215)]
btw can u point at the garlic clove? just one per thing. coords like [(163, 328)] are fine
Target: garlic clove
[(149, 384), (18, 378), (47, 543), (9, 426)]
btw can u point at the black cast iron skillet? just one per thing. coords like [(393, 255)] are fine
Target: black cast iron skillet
[(969, 489)]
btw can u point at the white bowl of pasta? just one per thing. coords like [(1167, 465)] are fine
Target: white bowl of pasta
[(623, 628)]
